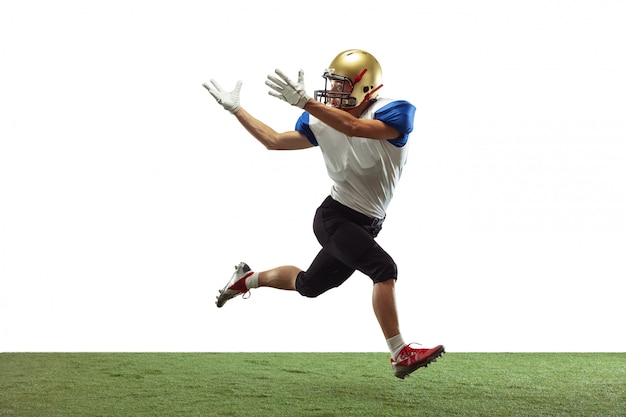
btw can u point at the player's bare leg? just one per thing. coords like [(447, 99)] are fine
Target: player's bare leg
[(283, 278), (384, 303), (405, 358)]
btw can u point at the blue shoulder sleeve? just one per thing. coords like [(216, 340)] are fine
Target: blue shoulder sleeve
[(399, 115), (302, 126)]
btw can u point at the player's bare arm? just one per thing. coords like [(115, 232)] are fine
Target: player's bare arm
[(348, 123), (270, 138)]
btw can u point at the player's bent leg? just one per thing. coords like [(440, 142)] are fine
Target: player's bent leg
[(243, 280)]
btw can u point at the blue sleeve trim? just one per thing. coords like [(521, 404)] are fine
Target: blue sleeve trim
[(302, 126), (400, 115)]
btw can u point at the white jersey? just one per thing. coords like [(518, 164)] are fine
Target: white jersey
[(365, 171)]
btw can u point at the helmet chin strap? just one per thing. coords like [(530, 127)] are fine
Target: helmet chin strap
[(369, 95), (367, 100)]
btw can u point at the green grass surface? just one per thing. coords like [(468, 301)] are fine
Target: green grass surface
[(310, 384)]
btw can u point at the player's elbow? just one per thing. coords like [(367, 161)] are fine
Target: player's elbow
[(269, 140), (272, 145)]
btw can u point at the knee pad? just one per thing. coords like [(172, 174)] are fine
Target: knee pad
[(304, 289), (313, 287), (379, 265)]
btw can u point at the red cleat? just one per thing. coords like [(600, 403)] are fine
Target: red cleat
[(236, 285), (410, 359)]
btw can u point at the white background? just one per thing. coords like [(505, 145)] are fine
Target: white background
[(128, 195)]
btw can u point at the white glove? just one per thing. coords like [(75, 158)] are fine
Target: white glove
[(287, 90), (228, 100)]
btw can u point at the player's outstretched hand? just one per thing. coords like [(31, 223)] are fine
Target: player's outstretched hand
[(228, 99), (287, 90)]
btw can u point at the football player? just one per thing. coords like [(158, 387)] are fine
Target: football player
[(364, 140)]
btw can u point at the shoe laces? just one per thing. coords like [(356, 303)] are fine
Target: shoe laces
[(406, 352)]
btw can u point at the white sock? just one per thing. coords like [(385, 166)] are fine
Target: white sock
[(395, 345), (253, 280)]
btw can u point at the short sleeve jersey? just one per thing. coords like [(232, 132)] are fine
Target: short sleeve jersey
[(365, 171)]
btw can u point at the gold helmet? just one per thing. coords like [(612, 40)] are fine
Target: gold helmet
[(354, 76)]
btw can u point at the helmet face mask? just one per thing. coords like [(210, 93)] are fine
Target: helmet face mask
[(353, 77), (336, 92)]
